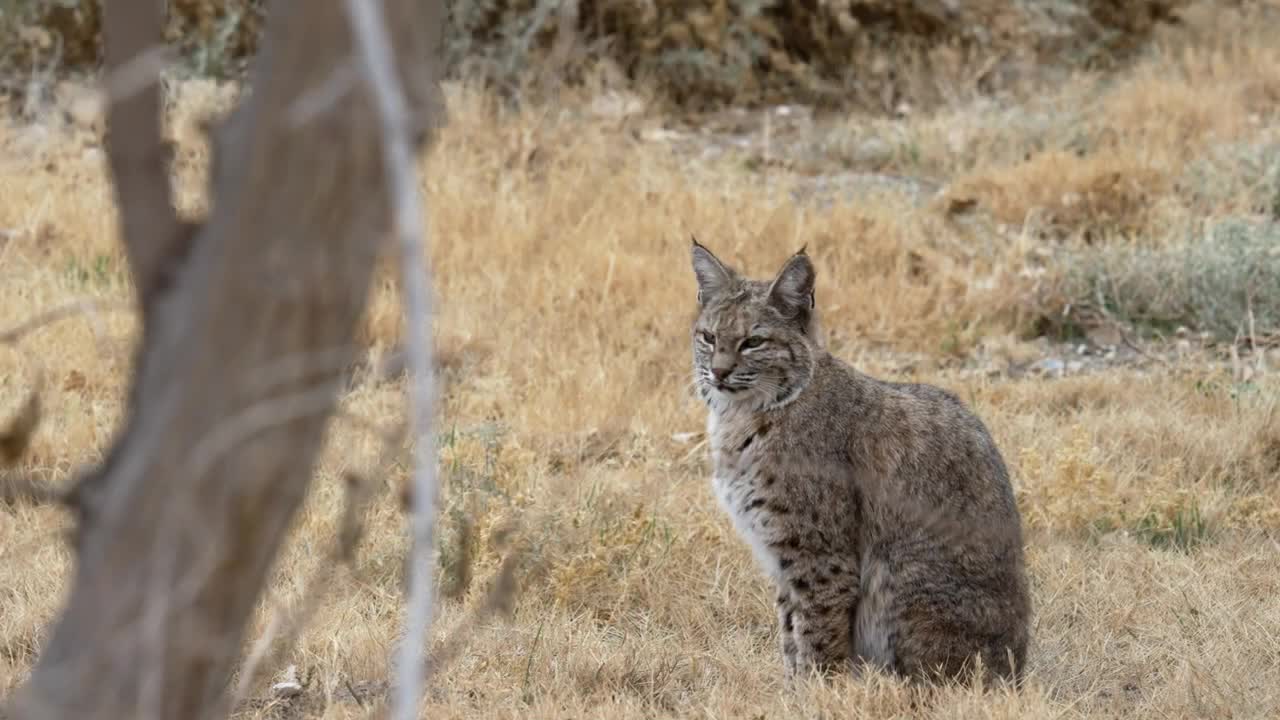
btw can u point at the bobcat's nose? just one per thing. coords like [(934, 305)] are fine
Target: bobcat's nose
[(721, 373)]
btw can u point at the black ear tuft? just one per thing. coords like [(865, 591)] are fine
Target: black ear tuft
[(713, 276)]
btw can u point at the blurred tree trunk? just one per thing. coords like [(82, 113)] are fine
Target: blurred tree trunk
[(249, 321)]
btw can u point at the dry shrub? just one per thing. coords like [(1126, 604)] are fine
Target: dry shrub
[(873, 53), (870, 52), (219, 35), (1210, 83), (1184, 132), (1066, 194), (45, 33), (1222, 281)]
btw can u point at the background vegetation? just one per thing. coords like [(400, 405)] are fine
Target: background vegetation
[(874, 52)]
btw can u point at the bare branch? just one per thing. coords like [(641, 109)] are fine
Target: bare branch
[(499, 600), (62, 312), (135, 145), (286, 626), (15, 438), (373, 43), (316, 102), (136, 74), (24, 489)]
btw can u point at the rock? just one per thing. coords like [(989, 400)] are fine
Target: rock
[(1105, 336), (873, 152), (288, 686), (616, 105), (1049, 367)]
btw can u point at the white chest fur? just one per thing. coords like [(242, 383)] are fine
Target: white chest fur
[(736, 481)]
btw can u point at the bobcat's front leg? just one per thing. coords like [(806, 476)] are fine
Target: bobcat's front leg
[(821, 607), (786, 630)]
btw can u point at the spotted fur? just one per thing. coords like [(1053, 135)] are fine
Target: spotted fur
[(882, 512)]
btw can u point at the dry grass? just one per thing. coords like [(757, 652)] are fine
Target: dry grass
[(560, 243)]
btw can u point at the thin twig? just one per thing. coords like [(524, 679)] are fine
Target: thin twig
[(499, 600), (354, 694), (316, 101), (219, 443), (1124, 337), (71, 309), (286, 626), (136, 74), (25, 489), (251, 422), (373, 43), (16, 436), (1259, 363), (249, 671)]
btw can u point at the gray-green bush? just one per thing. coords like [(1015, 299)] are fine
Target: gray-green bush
[(1224, 281)]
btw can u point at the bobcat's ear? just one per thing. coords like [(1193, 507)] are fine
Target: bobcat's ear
[(792, 290), (713, 276)]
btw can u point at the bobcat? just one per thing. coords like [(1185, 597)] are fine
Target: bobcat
[(882, 511)]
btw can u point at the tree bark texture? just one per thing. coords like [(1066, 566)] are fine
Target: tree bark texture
[(248, 321)]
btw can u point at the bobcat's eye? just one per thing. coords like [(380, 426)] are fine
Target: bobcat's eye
[(708, 338), (754, 341)]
